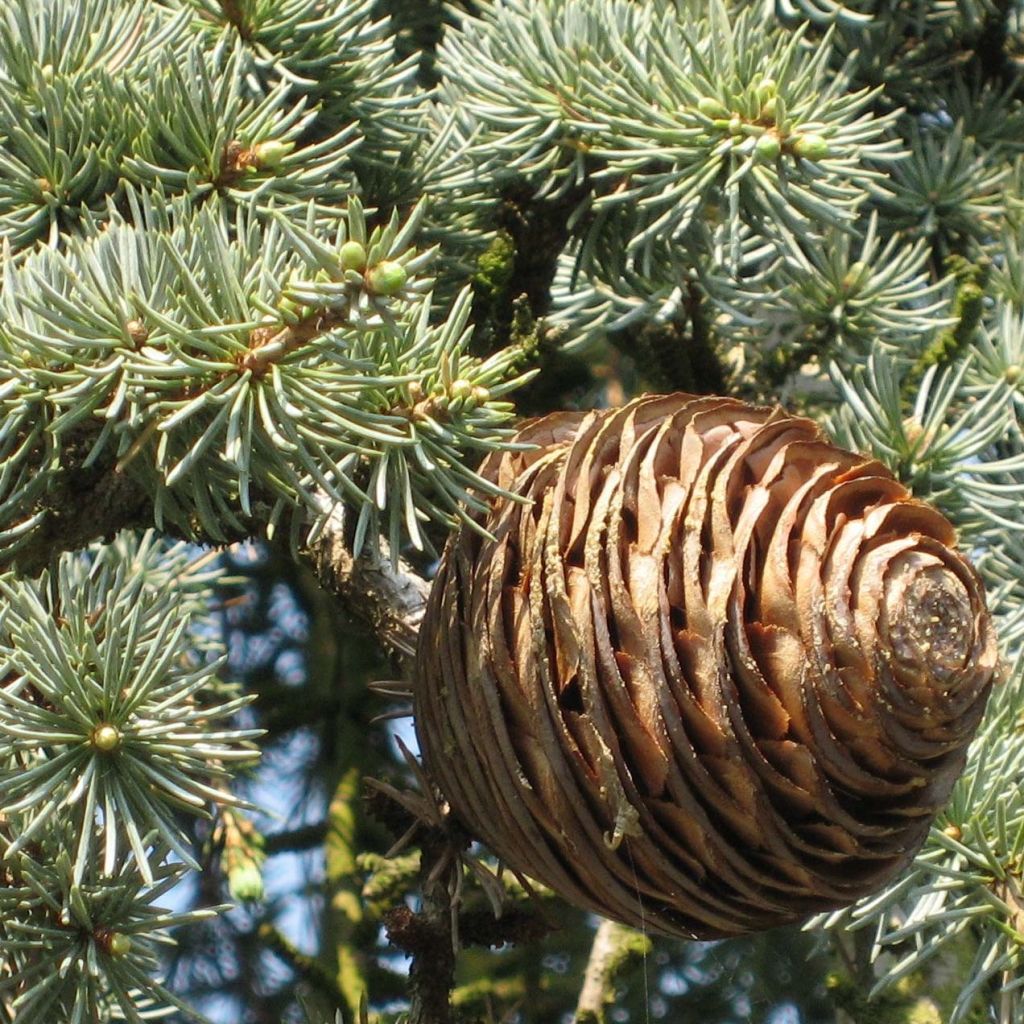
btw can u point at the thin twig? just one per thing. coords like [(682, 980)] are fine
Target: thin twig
[(308, 967), (306, 837), (1009, 999)]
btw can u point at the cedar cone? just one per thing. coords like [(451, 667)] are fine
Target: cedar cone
[(715, 676)]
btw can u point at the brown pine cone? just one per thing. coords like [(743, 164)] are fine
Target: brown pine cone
[(716, 675)]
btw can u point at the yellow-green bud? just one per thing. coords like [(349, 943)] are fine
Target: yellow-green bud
[(810, 146), (768, 147), (481, 394), (106, 737), (924, 1011), (461, 389), (119, 944), (1012, 373), (769, 107), (764, 93), (270, 154), (245, 882), (858, 273), (353, 256), (735, 125), (711, 107), (387, 278)]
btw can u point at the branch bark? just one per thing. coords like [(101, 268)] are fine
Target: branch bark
[(88, 505), (83, 505), (390, 598), (616, 948), (427, 936)]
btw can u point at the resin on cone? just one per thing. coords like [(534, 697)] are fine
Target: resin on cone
[(713, 676)]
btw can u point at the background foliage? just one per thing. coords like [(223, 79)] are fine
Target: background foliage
[(278, 270)]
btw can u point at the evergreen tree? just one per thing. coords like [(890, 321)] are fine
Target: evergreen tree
[(276, 276)]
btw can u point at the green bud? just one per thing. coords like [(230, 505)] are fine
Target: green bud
[(710, 107), (769, 108), (106, 737), (735, 125), (119, 944), (1012, 373), (47, 72), (353, 256), (245, 882), (460, 389), (270, 154), (387, 278), (768, 147), (481, 394), (810, 146), (764, 91)]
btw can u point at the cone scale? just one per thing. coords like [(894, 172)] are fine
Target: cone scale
[(714, 676)]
